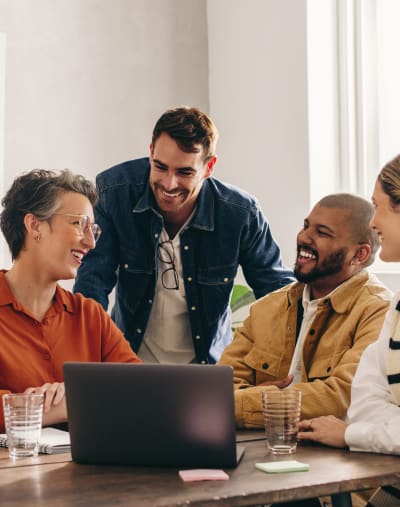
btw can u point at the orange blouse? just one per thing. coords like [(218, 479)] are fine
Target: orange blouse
[(74, 328)]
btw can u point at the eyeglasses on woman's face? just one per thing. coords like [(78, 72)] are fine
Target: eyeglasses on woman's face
[(83, 224)]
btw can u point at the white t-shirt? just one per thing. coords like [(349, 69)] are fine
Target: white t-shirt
[(309, 311), (168, 336)]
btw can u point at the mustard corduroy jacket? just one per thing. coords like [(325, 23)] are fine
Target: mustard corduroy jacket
[(262, 348)]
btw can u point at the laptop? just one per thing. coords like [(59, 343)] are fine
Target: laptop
[(151, 414)]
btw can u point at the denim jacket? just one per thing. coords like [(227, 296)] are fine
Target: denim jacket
[(227, 229)]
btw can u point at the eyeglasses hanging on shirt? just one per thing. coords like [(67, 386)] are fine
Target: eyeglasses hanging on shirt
[(169, 276)]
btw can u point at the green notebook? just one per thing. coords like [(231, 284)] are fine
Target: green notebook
[(276, 467)]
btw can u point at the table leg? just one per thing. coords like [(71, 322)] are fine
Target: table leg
[(341, 500)]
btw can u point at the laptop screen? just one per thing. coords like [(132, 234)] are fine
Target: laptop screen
[(151, 414)]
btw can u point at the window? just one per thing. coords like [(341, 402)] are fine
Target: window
[(354, 99)]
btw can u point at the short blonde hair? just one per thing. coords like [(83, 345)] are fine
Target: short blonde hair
[(389, 178)]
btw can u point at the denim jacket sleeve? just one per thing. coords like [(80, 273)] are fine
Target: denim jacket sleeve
[(119, 190), (260, 258), (97, 275)]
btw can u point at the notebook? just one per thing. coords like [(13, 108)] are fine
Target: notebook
[(151, 414), (52, 441)]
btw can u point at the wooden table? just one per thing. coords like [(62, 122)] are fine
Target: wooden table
[(42, 459), (55, 481)]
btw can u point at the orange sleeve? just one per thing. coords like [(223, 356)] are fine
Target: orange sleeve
[(115, 347), (2, 426)]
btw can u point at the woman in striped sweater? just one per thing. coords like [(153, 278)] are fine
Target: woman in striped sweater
[(373, 419)]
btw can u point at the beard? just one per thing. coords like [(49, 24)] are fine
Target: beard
[(332, 265)]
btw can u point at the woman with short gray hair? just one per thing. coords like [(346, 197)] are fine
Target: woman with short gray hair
[(47, 220)]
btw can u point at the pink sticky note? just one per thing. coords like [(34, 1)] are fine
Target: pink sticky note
[(205, 474)]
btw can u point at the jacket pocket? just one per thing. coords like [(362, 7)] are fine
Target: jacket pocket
[(135, 262), (265, 366), (135, 278), (322, 367), (215, 284)]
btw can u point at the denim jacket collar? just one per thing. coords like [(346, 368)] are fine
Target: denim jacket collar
[(204, 216)]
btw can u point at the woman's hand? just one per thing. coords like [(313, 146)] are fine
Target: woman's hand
[(54, 407), (53, 394), (328, 430)]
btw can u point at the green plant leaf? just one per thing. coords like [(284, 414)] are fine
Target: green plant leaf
[(241, 296)]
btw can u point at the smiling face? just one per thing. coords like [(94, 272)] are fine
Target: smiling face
[(176, 178), (325, 250), (62, 245), (386, 223)]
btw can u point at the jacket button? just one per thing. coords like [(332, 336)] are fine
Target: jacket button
[(312, 331), (197, 337), (193, 308), (226, 279), (186, 247), (264, 366), (189, 278), (156, 235), (126, 266), (139, 330), (150, 301), (203, 362)]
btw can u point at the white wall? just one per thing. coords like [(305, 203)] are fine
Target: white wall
[(87, 79), (3, 248), (323, 98), (258, 99), (2, 85)]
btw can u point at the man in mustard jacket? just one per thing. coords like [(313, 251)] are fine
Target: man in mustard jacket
[(310, 334)]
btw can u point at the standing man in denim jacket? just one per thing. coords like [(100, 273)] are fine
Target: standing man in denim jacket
[(173, 238)]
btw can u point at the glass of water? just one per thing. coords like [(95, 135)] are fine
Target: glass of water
[(23, 414), (281, 412)]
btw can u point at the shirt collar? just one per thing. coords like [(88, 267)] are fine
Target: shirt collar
[(204, 215), (61, 302), (307, 296), (146, 201), (6, 296), (338, 298), (307, 301)]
